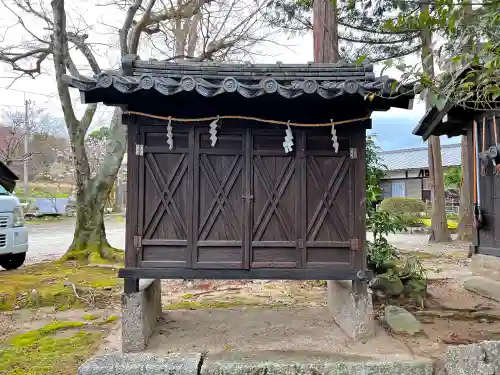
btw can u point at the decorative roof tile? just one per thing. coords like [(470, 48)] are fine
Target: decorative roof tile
[(211, 79)]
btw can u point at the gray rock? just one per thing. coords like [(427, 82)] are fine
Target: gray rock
[(401, 321), (483, 286), (389, 284)]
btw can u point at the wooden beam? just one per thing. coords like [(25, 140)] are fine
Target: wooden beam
[(239, 274)]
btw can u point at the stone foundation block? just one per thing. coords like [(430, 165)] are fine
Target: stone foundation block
[(304, 363), (140, 312), (353, 312), (142, 364), (475, 359), (486, 266)]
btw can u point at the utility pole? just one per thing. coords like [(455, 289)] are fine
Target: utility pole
[(26, 148)]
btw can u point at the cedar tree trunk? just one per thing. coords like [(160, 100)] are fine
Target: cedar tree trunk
[(464, 231), (439, 226)]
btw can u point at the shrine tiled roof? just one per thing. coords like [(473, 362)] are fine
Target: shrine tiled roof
[(248, 80)]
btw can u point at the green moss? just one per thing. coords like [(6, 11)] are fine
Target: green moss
[(90, 317), (57, 348), (197, 305), (99, 252), (50, 281), (269, 286), (111, 319), (31, 337)]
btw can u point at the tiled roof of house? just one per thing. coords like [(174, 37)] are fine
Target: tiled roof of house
[(417, 158)]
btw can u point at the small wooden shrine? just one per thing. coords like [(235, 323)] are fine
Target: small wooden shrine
[(482, 128), (243, 171)]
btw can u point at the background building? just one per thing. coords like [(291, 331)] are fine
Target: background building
[(408, 172)]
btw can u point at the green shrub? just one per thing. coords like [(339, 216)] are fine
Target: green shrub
[(409, 210)]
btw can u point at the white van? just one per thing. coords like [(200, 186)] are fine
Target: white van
[(13, 234)]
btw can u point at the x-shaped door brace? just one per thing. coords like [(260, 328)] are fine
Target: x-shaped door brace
[(221, 190), (327, 204), (169, 188), (274, 194)]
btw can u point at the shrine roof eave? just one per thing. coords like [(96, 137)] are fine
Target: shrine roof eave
[(315, 81), (452, 120)]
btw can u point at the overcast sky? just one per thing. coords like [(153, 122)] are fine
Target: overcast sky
[(42, 90)]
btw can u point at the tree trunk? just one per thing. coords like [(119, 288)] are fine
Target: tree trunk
[(325, 31), (439, 225), (464, 231), (89, 239)]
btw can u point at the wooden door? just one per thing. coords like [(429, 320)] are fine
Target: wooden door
[(276, 195), (164, 198), (245, 203), (218, 215), (327, 206)]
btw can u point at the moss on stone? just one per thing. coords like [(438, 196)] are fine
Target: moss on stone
[(57, 348), (49, 284)]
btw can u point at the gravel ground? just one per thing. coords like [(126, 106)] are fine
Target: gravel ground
[(48, 241)]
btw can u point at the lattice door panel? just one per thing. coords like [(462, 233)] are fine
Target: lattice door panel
[(165, 220), (275, 204), (328, 206), (219, 189)]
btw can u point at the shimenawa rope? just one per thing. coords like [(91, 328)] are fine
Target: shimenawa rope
[(202, 119)]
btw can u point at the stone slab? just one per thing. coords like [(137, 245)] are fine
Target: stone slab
[(118, 363), (298, 363), (483, 286)]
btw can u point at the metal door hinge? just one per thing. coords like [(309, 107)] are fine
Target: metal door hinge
[(137, 241), (354, 244), (301, 243), (353, 153), (139, 150), (248, 197)]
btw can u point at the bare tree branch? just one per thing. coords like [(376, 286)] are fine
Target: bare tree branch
[(127, 24)]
